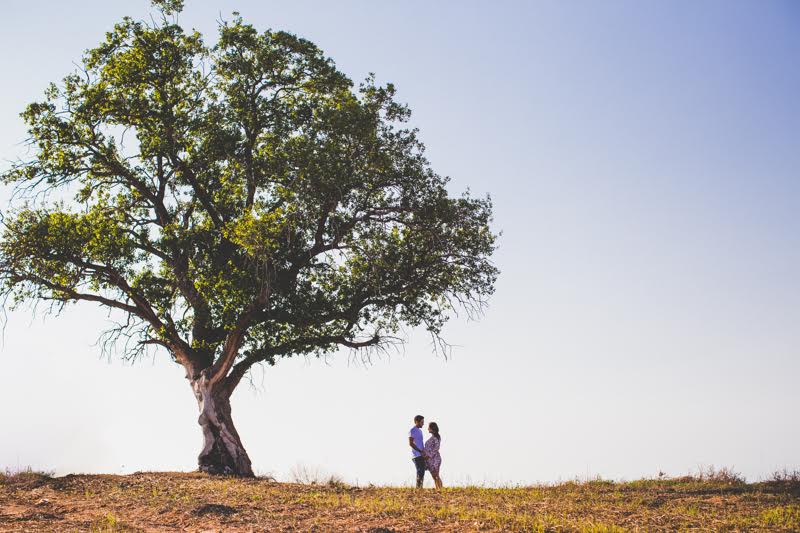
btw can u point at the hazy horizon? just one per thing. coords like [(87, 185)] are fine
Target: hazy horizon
[(643, 162)]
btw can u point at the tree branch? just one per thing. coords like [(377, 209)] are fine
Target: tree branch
[(241, 368), (234, 339)]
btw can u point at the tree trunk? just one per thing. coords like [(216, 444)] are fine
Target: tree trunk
[(222, 452)]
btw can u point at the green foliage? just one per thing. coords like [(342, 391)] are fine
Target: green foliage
[(243, 197), (169, 7)]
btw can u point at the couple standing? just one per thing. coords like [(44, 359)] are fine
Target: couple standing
[(425, 455)]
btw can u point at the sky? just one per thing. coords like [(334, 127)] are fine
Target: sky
[(643, 161)]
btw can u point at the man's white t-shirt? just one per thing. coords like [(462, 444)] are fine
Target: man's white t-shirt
[(416, 434)]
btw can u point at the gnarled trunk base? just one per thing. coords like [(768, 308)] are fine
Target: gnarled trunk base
[(222, 452)]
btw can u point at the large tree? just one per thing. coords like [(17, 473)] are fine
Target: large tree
[(236, 203)]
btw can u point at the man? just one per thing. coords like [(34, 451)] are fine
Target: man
[(417, 448)]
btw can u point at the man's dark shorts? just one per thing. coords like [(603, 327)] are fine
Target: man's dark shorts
[(419, 462)]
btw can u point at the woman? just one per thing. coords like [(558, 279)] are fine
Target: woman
[(432, 458)]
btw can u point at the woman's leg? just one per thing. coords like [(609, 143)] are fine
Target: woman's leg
[(437, 480)]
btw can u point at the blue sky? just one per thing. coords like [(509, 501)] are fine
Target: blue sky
[(643, 160)]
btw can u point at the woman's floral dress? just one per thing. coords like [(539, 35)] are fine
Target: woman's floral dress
[(432, 458)]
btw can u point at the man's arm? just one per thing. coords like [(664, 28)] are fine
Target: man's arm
[(411, 443)]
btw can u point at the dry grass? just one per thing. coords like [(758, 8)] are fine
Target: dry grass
[(716, 500)]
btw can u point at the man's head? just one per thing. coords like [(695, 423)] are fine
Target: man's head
[(419, 421)]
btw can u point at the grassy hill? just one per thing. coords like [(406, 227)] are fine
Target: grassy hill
[(31, 501)]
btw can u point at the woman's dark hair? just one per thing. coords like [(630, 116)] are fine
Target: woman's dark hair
[(434, 427)]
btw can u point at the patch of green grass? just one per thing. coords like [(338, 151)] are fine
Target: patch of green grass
[(787, 516), (108, 524)]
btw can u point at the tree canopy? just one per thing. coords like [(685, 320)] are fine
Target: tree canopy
[(238, 202)]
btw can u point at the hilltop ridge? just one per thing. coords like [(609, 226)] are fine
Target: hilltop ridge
[(149, 501)]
